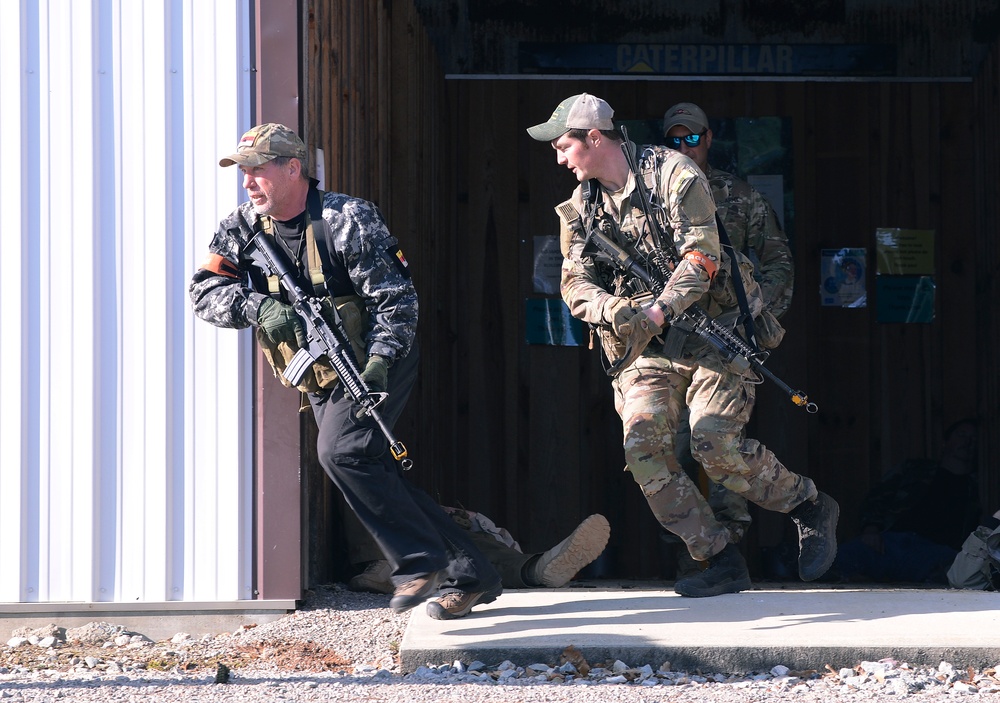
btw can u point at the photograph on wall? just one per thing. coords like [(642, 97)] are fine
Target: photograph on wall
[(547, 265), (842, 278)]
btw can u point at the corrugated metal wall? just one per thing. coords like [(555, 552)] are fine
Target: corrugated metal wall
[(124, 456)]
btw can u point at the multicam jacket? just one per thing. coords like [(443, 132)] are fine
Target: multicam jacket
[(689, 217), (366, 261), (753, 229), (685, 210)]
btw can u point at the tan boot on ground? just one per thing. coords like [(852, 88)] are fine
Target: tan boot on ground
[(374, 579), (557, 566)]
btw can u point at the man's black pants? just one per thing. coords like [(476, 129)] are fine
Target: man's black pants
[(415, 534)]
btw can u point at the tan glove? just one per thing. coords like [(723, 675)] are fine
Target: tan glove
[(640, 321), (617, 313), (636, 335)]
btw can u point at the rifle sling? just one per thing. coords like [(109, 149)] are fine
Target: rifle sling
[(315, 259), (736, 275), (724, 241)]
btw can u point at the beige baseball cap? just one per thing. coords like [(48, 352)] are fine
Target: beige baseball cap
[(583, 111), (687, 114), (264, 142)]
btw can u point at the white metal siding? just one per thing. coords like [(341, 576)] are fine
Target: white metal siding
[(125, 448)]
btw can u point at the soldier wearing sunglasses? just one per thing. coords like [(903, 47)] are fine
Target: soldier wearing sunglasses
[(749, 219), (753, 229)]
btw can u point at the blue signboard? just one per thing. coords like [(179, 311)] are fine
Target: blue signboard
[(709, 59)]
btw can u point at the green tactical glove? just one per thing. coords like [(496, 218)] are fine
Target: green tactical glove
[(617, 313), (281, 323), (376, 373)]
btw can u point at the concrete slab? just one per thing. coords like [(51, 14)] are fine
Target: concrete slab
[(735, 633)]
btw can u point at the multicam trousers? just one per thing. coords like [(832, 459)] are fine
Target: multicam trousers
[(729, 508), (650, 397)]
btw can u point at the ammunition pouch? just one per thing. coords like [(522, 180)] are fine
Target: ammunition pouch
[(354, 318), (769, 331), (721, 298)]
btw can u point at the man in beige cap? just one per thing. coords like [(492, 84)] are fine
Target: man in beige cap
[(341, 251), (754, 230), (659, 368)]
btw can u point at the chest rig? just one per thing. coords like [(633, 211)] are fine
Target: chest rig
[(315, 272), (329, 282), (627, 222)]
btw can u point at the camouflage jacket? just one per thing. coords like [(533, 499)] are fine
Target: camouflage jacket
[(362, 250), (753, 229), (688, 214)]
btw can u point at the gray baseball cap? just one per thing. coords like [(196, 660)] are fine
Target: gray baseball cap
[(687, 114), (583, 111)]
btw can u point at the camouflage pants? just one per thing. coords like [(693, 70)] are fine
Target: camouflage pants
[(651, 397), (729, 508)]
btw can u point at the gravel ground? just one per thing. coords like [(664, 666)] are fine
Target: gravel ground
[(342, 646)]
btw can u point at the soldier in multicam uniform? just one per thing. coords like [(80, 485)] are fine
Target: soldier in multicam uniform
[(749, 219), (653, 389), (363, 272), (754, 230)]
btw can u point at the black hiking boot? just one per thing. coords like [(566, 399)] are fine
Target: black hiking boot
[(726, 573), (817, 523)]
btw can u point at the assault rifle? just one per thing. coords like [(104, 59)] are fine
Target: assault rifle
[(322, 339), (734, 350)]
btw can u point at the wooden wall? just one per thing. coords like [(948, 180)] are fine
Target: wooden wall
[(867, 155), (527, 433), (986, 270), (374, 102)]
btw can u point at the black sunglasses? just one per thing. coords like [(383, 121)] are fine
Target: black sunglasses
[(692, 140)]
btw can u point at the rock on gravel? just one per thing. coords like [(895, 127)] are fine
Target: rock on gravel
[(342, 646)]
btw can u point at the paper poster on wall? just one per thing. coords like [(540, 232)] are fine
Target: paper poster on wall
[(548, 264), (842, 278), (906, 299), (547, 321), (904, 252)]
